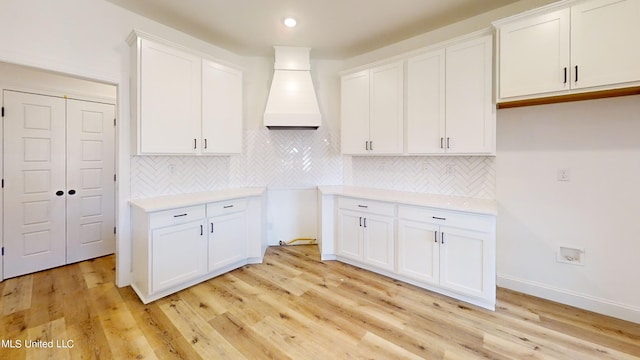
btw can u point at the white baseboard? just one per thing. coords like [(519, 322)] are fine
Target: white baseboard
[(563, 296)]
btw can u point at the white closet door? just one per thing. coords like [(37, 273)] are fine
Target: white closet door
[(90, 182), (34, 160)]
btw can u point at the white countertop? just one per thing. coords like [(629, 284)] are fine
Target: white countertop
[(459, 203), (174, 201)]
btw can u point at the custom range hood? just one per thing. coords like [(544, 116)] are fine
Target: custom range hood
[(292, 102)]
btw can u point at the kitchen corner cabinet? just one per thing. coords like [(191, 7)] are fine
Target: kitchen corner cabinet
[(372, 110), (450, 107), (180, 246), (182, 103), (569, 47), (366, 232)]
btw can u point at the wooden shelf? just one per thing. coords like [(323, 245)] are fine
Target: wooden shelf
[(570, 97)]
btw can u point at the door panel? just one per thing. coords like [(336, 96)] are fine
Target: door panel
[(227, 240), (34, 163), (379, 235), (418, 251), (184, 248), (350, 234), (463, 255), (355, 113), (90, 170), (387, 107)]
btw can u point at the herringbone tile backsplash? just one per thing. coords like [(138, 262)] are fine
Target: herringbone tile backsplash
[(294, 159), (472, 176)]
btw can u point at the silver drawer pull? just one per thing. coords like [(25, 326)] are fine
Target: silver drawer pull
[(180, 215), (363, 206), (227, 206), (438, 218)]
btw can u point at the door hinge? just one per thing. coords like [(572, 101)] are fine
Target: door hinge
[(114, 122), (3, 251), (3, 183), (114, 229), (114, 177), (3, 111)]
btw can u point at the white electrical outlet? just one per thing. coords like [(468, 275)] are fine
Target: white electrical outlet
[(564, 174)]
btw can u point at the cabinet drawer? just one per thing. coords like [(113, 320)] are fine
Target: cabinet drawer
[(226, 207), (176, 216), (447, 217), (368, 206)]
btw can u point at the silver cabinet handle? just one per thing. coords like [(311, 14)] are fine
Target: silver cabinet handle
[(363, 206), (180, 215), (438, 218), (227, 206), (365, 222), (442, 237), (435, 236)]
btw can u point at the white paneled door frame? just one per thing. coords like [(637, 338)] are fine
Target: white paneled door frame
[(59, 189)]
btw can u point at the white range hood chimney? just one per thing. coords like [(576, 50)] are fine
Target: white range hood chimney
[(292, 102)]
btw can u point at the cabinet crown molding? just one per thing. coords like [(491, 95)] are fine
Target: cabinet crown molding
[(406, 55)]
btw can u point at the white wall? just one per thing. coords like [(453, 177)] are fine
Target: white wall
[(598, 209)]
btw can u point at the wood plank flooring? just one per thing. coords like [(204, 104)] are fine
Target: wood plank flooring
[(293, 306)]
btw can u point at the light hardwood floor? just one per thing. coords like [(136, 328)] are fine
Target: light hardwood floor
[(293, 306)]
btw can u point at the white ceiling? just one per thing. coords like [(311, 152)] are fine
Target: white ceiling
[(334, 29)]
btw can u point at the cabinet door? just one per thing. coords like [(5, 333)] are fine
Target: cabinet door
[(426, 103), (534, 55), (418, 251), (350, 235), (604, 42), (469, 106), (227, 240), (170, 96), (221, 109), (355, 113), (387, 104), (379, 241), (465, 260), (178, 254)]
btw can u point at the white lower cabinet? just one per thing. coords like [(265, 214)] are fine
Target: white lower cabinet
[(367, 234), (452, 250), (447, 251), (178, 254), (227, 227), (419, 251), (176, 248)]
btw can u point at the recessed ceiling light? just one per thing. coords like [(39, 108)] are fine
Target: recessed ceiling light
[(290, 22)]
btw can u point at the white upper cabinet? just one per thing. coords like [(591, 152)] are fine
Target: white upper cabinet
[(355, 112), (569, 46), (221, 109), (534, 55), (372, 110), (169, 100), (471, 117), (182, 103), (450, 107), (605, 42), (426, 103)]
